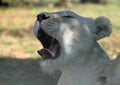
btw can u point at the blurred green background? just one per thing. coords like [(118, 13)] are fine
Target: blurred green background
[(17, 20)]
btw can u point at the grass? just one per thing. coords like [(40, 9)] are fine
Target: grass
[(16, 25)]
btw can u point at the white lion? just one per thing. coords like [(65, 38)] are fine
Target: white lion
[(70, 45)]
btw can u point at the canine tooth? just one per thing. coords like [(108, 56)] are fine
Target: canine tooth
[(36, 27)]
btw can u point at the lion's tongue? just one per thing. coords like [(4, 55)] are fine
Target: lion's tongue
[(45, 53), (48, 53)]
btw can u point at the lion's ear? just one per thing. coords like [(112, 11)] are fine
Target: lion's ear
[(103, 27)]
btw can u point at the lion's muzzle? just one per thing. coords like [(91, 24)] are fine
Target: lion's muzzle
[(51, 46), (42, 16)]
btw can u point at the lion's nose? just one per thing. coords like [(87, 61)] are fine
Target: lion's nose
[(42, 16)]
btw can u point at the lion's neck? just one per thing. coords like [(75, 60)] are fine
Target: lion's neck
[(82, 72)]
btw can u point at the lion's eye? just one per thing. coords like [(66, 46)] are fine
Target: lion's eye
[(68, 16)]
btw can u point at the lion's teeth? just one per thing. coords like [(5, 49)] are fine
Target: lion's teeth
[(36, 27), (53, 49)]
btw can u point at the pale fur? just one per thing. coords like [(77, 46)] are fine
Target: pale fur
[(82, 61)]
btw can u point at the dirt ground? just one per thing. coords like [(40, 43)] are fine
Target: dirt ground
[(23, 72)]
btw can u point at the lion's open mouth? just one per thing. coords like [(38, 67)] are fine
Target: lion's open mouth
[(51, 46)]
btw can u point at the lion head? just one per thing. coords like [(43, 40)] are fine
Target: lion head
[(67, 37)]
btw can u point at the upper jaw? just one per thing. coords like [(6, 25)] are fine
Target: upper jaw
[(40, 18)]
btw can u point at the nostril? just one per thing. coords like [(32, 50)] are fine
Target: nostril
[(42, 16)]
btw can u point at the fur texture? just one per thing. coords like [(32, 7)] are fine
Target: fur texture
[(81, 60)]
